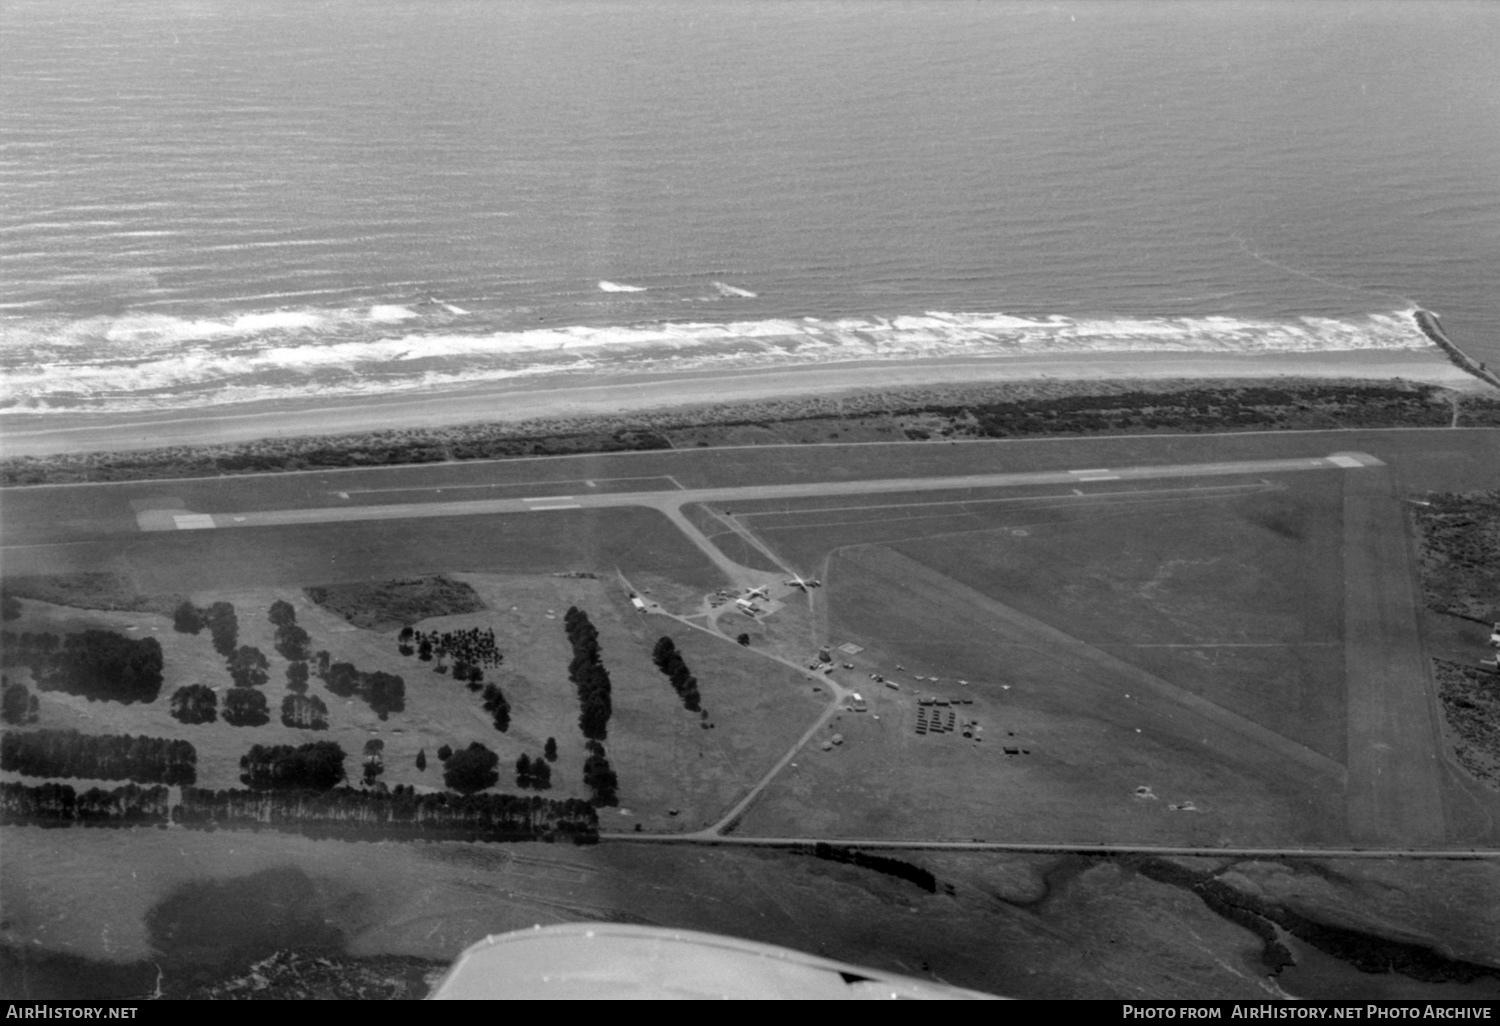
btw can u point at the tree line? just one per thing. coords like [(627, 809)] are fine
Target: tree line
[(95, 664), (588, 675), (318, 766), (67, 753), (598, 776), (400, 813), (880, 864), (53, 804), (669, 661)]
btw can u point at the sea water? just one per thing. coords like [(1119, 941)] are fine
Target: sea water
[(206, 201)]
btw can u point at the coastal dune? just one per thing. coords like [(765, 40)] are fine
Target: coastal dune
[(565, 396)]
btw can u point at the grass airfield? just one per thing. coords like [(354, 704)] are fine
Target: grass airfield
[(1185, 637)]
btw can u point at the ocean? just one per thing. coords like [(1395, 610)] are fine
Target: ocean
[(206, 202)]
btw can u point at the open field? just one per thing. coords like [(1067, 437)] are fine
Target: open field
[(665, 759), (1065, 634), (1021, 925)]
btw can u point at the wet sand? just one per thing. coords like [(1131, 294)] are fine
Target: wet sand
[(567, 396)]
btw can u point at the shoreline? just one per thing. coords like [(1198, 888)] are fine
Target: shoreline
[(566, 398)]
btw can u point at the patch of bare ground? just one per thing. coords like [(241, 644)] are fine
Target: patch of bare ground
[(1471, 717), (387, 605)]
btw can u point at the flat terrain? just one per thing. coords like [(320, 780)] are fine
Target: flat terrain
[(1163, 650)]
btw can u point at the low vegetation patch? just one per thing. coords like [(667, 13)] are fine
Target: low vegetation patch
[(1471, 707), (1459, 539), (387, 605), (87, 590), (997, 410)]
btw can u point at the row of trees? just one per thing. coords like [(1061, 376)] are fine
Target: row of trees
[(598, 776), (318, 766), (18, 706), (53, 804), (669, 661), (95, 664), (588, 675), (496, 705), (397, 813), (67, 753), (292, 642)]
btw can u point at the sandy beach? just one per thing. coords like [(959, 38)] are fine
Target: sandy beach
[(569, 396)]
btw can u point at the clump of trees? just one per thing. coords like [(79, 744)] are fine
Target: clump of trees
[(246, 707), (67, 753), (248, 667), (195, 703), (385, 693), (496, 705), (531, 772), (53, 804), (95, 664), (669, 661), (588, 675), (18, 706), (223, 627), (598, 776), (374, 760), (296, 676), (305, 712), (398, 812), (291, 640), (472, 649), (188, 619), (471, 769), (312, 767)]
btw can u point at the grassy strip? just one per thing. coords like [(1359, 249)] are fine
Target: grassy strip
[(1025, 409)]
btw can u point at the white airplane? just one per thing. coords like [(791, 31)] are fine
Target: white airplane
[(613, 961)]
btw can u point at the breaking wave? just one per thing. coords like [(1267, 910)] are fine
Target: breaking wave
[(156, 361), (734, 291), (614, 286)]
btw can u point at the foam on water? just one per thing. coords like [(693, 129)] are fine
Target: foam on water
[(734, 291), (150, 361), (612, 286)]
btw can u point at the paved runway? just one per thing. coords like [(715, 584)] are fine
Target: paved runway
[(180, 519)]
